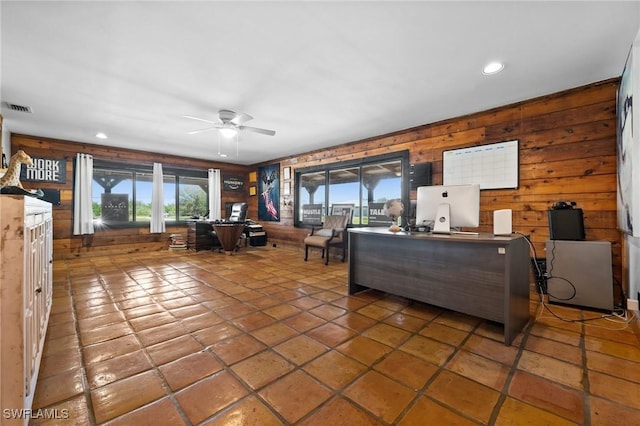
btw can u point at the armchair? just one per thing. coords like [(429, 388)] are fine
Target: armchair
[(331, 234)]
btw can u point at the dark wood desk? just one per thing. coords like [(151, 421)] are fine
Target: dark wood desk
[(228, 234), (480, 275)]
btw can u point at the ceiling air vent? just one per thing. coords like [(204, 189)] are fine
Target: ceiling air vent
[(19, 108)]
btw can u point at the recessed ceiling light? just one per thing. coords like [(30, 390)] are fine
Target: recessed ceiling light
[(101, 135), (223, 155), (492, 68)]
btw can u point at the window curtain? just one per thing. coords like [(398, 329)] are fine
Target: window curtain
[(82, 208), (215, 204), (157, 201)]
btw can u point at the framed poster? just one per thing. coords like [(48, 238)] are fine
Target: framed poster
[(628, 144), (269, 189)]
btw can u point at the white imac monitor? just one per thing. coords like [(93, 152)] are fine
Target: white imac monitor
[(447, 207)]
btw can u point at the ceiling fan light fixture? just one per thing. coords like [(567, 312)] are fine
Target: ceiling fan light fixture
[(228, 132)]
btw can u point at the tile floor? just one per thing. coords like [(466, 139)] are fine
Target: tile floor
[(264, 338)]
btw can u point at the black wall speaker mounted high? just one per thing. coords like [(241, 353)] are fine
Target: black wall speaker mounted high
[(52, 196), (419, 175)]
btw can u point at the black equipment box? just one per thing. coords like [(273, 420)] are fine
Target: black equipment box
[(566, 224), (257, 238)]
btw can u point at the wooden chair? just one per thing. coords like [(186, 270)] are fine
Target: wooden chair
[(331, 234)]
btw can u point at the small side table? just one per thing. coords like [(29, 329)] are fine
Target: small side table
[(228, 234)]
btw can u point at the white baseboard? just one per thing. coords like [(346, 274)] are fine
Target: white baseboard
[(632, 305)]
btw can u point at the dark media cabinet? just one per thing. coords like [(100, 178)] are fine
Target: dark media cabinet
[(481, 275)]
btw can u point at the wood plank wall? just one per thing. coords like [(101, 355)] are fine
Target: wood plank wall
[(567, 153), (109, 241)]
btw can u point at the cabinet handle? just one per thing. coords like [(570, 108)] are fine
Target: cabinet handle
[(39, 290)]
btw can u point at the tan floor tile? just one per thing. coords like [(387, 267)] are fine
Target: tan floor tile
[(328, 312), (605, 412), (254, 321), (104, 333), (248, 412), (551, 369), (59, 362), (514, 412), (217, 333), (221, 390), (200, 322), (304, 321), (153, 320), (548, 396), (363, 349), (161, 333), (477, 401), (480, 369), (105, 372), (185, 312), (444, 333), (406, 369), (90, 323), (428, 412), (491, 349), (406, 322), (339, 411), (144, 310), (173, 349), (568, 337), (235, 311), (380, 395), (375, 312), (306, 303), (555, 349), (349, 303), (62, 344), (162, 412), (384, 333), (300, 349), (264, 302), (237, 348), (281, 311), (334, 369), (620, 350), (274, 334), (614, 389), (613, 366), (262, 369), (355, 321), (190, 369), (126, 395), (72, 412), (428, 349), (57, 388), (331, 334), (109, 349), (295, 395)]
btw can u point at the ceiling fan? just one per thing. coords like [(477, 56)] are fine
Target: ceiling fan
[(230, 124)]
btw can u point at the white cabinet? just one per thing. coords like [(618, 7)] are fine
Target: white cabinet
[(26, 255)]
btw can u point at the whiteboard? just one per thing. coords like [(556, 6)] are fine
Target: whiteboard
[(492, 166)]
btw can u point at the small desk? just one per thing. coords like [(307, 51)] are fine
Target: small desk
[(482, 275), (229, 234)]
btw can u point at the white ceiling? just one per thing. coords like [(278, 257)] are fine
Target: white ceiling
[(318, 73)]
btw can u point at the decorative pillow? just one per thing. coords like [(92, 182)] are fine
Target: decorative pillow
[(324, 232)]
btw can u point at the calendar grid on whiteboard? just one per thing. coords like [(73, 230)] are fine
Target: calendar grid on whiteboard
[(493, 166)]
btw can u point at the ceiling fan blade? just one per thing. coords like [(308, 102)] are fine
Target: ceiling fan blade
[(240, 118), (193, 132), (257, 130), (200, 119)]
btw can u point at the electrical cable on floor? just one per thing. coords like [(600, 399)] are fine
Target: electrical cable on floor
[(624, 317)]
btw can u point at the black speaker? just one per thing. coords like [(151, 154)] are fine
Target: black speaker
[(420, 175), (566, 224)]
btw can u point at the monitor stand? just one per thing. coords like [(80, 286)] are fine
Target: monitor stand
[(442, 224)]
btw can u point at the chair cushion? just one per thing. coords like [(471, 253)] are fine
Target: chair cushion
[(323, 232), (316, 241)]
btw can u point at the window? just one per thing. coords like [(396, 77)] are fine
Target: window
[(363, 185), (121, 194)]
